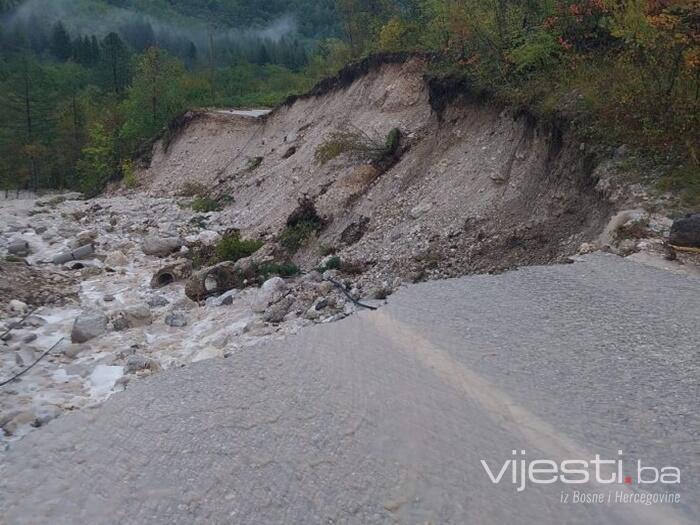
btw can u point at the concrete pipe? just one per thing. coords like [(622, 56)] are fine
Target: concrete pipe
[(214, 280), (82, 252), (171, 273)]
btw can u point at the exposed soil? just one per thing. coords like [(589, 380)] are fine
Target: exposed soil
[(477, 188)]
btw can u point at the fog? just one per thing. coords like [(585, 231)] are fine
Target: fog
[(87, 18)]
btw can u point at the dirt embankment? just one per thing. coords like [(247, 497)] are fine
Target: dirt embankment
[(473, 188)]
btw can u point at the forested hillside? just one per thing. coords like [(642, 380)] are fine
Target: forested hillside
[(88, 82)]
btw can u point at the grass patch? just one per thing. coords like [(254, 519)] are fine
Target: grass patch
[(358, 145), (232, 248)]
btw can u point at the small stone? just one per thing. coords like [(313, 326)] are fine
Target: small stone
[(108, 298), (136, 363), (156, 301), (420, 210), (18, 307), (176, 319), (116, 260)]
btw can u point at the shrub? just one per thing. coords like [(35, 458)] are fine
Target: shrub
[(192, 189), (281, 269), (333, 263), (205, 205), (199, 221), (254, 163), (129, 174), (233, 248), (359, 145), (294, 237)]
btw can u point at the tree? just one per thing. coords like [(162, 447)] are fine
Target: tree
[(155, 96), (61, 47), (115, 63)]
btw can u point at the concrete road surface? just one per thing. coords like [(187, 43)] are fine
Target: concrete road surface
[(386, 417)]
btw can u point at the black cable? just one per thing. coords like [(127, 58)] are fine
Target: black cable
[(32, 365), (347, 294)]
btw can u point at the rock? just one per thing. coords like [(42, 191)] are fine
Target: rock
[(270, 292), (176, 319), (312, 313), (156, 301), (686, 231), (355, 231), (119, 322), (25, 356), (314, 276), (18, 307), (420, 210), (75, 255), (136, 363), (277, 312), (138, 315), (116, 260), (227, 298), (72, 351), (88, 325), (85, 237), (21, 419), (160, 246), (19, 248), (587, 247), (208, 237)]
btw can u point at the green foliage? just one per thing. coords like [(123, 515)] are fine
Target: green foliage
[(97, 165), (267, 270), (686, 181), (129, 174), (205, 204), (333, 263), (233, 248), (294, 237), (254, 163)]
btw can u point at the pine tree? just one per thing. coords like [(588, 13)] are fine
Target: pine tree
[(61, 47)]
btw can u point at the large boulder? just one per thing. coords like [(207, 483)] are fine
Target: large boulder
[(88, 325), (160, 246), (270, 292), (686, 231)]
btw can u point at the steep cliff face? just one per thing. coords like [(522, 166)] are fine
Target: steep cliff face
[(475, 187)]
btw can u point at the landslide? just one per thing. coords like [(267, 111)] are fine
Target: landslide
[(473, 187)]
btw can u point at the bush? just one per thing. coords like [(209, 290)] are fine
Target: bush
[(294, 237), (129, 174), (254, 163), (192, 189), (281, 269), (333, 263), (359, 145), (233, 248), (205, 205)]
